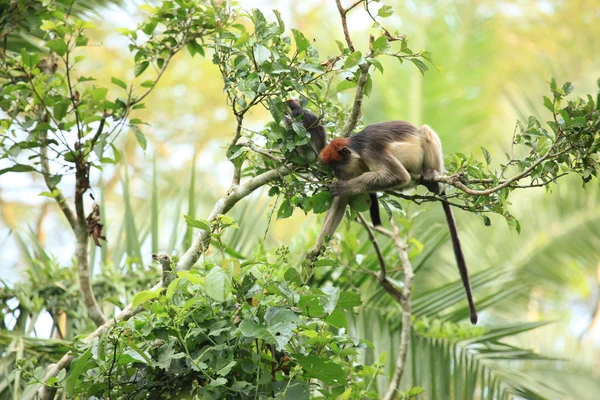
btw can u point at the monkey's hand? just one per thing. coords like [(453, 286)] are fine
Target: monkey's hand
[(338, 188)]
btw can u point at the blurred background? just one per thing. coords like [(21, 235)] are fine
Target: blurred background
[(497, 57)]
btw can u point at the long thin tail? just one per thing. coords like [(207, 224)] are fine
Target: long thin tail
[(460, 259), (374, 210)]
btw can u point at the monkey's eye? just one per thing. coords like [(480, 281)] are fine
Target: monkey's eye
[(344, 151)]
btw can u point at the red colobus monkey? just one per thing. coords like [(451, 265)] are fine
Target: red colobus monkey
[(383, 156)]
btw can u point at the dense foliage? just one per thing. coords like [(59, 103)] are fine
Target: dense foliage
[(236, 326)]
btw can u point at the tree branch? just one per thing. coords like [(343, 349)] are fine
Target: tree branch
[(226, 203), (405, 302), (59, 196), (358, 100), (343, 13), (403, 298)]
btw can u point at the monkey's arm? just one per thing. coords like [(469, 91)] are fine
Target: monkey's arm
[(332, 220)]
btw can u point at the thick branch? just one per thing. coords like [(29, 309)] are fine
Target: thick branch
[(235, 194), (403, 298), (237, 169), (406, 311), (358, 101), (59, 196)]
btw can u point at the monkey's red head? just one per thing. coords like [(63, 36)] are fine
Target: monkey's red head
[(335, 151)]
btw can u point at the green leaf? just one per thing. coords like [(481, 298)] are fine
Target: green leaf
[(139, 135), (48, 25), (301, 41), (568, 88), (60, 110), (420, 64), (261, 53), (348, 300), (360, 202), (58, 46), (218, 284), (381, 44), (140, 68), (285, 210), (353, 59), (148, 83), (325, 263), (292, 276), (76, 368), (337, 319), (321, 201), (52, 194), (17, 168), (548, 104), (374, 62), (118, 82), (513, 223), (194, 223), (385, 11), (98, 94), (195, 48), (323, 369), (487, 155), (144, 296), (116, 153)]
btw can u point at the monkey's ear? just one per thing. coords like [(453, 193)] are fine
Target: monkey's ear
[(344, 151)]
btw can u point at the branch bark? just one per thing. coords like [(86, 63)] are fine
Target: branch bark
[(356, 112), (403, 298)]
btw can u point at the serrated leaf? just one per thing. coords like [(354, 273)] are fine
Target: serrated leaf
[(139, 135), (301, 41), (118, 82), (420, 64), (140, 68), (548, 104), (323, 369), (218, 285), (194, 223), (285, 210), (353, 59), (348, 300), (76, 368), (261, 53), (381, 44), (321, 201), (17, 168), (385, 11), (487, 155)]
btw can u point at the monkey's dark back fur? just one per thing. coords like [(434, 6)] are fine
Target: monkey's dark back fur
[(377, 136)]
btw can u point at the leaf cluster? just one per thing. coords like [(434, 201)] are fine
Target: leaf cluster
[(229, 331)]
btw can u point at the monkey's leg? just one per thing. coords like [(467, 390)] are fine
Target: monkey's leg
[(387, 175), (332, 220)]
